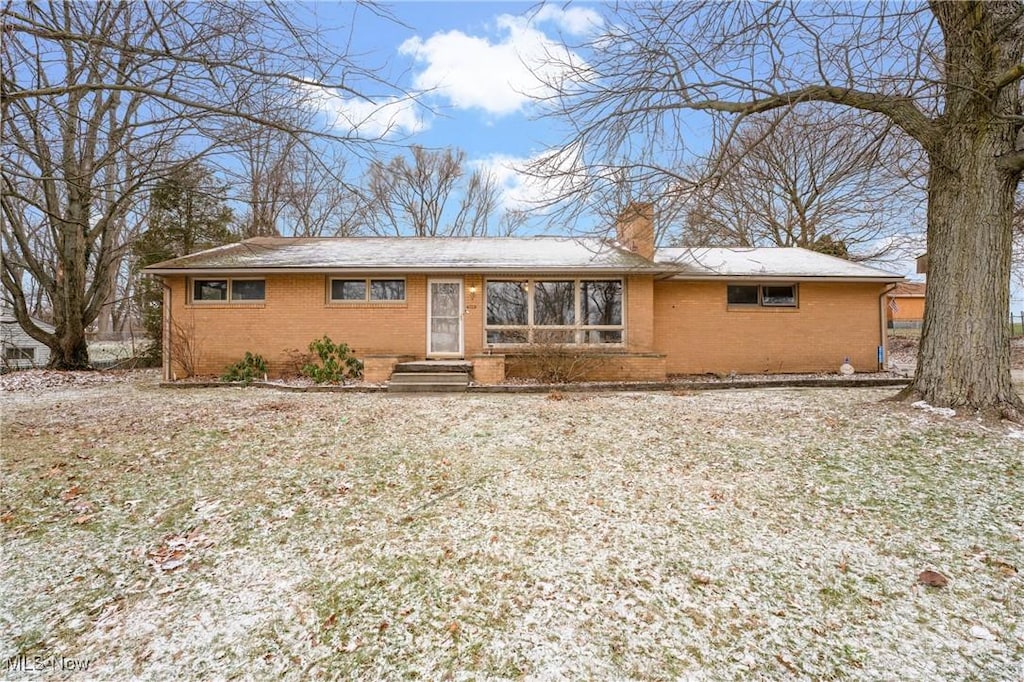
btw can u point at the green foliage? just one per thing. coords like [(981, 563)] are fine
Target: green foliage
[(187, 213), (830, 247), (252, 366), (336, 362)]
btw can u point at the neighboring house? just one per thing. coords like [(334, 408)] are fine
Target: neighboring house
[(18, 350), (643, 314), (906, 305)]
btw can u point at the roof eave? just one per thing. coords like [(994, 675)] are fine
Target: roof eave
[(525, 270), (881, 279)]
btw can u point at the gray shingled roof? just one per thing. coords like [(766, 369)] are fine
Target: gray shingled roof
[(509, 254), (764, 263), (411, 254)]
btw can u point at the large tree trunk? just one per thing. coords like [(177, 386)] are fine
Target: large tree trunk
[(71, 351), (967, 364), (68, 348), (964, 358)]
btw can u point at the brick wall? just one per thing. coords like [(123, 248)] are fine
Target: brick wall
[(488, 369), (700, 333), (686, 322), (294, 313), (639, 317), (599, 366)]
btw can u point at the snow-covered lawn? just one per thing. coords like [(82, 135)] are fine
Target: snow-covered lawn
[(759, 534)]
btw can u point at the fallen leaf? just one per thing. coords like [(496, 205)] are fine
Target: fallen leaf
[(84, 518), (787, 663), (932, 579), (1004, 567), (71, 493)]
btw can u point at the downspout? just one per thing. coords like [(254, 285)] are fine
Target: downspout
[(883, 338), (166, 331)]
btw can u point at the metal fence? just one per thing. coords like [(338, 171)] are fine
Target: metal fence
[(1017, 324)]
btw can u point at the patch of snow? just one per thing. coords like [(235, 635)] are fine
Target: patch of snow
[(940, 411), (981, 632), (625, 536)]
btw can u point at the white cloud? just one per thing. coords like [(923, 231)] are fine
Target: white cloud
[(387, 117), (578, 21), (499, 77)]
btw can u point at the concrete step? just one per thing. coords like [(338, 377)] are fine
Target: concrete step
[(435, 366), (427, 388), (429, 378), (428, 382)]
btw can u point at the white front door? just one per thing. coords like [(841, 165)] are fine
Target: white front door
[(444, 318)]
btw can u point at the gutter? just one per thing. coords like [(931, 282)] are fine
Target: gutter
[(785, 278)]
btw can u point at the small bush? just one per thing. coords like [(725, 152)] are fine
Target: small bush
[(550, 362), (252, 366), (337, 364), (295, 361)]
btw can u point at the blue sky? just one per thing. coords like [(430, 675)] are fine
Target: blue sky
[(470, 65)]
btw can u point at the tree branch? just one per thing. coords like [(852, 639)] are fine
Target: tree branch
[(900, 110), (1013, 162), (1011, 75)]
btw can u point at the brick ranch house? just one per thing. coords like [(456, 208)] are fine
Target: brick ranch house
[(906, 305), (642, 313)]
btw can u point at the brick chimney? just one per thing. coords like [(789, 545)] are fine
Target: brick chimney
[(635, 229)]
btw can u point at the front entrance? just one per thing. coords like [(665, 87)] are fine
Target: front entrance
[(444, 318)]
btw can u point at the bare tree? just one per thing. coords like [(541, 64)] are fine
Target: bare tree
[(947, 74), (430, 195), (94, 99), (294, 184), (808, 178), (319, 202), (265, 153)]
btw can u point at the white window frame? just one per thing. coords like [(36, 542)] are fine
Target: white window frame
[(14, 353), (578, 329)]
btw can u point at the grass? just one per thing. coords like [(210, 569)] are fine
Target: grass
[(759, 534)]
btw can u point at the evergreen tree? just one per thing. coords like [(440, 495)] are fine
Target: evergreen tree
[(187, 213)]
